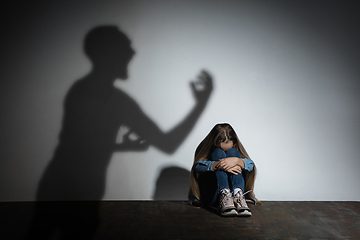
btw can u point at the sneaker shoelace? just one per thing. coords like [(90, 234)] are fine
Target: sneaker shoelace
[(242, 198), (225, 199)]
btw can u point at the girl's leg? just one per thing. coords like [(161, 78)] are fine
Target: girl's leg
[(232, 152), (237, 181), (221, 176), (208, 189), (218, 154), (223, 196), (238, 187), (209, 182)]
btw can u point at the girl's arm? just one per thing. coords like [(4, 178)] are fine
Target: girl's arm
[(234, 170), (227, 163), (248, 164), (204, 165), (209, 165), (230, 162)]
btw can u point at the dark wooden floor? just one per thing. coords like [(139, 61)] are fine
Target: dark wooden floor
[(179, 220)]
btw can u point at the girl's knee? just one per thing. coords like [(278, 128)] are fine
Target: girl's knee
[(217, 154), (237, 176), (232, 152)]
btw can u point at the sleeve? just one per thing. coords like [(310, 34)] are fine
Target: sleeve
[(203, 166), (249, 164)]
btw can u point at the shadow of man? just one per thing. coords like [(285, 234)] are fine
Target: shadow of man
[(94, 110)]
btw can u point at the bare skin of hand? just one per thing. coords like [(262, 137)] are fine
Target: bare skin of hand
[(234, 170), (227, 163)]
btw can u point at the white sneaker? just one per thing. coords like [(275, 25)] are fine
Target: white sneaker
[(241, 206), (226, 205)]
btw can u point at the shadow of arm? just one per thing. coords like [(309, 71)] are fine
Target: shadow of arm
[(170, 141)]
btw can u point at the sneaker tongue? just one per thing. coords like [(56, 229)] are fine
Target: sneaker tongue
[(225, 190)]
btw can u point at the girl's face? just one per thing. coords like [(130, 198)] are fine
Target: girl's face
[(226, 145)]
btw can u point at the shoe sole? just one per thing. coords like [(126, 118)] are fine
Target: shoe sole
[(231, 213), (245, 213)]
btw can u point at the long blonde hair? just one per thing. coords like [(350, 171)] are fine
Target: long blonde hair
[(221, 132)]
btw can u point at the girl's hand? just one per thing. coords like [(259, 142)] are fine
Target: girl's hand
[(230, 162), (235, 170)]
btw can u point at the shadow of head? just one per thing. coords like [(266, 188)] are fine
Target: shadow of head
[(172, 184), (109, 50)]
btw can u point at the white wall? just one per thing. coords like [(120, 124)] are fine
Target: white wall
[(286, 77)]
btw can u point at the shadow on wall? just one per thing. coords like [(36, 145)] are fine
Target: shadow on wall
[(94, 111), (172, 184)]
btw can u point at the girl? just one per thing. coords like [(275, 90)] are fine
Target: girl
[(223, 173)]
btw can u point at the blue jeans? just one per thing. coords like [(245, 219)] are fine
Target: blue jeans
[(210, 194)]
